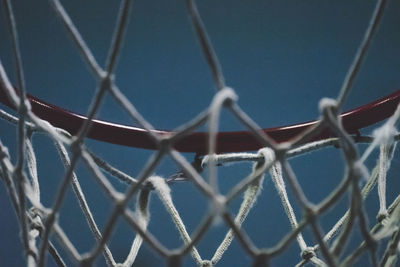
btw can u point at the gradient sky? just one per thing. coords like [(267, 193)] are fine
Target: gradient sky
[(280, 56)]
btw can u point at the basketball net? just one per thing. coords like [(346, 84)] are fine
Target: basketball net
[(42, 234)]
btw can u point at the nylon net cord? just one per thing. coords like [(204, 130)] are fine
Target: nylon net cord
[(40, 228)]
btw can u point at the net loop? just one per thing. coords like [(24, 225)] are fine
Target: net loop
[(268, 156), (326, 104), (328, 108), (222, 97)]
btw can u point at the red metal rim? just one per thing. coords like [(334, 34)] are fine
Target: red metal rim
[(237, 141)]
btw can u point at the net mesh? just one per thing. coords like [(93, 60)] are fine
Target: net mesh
[(40, 228)]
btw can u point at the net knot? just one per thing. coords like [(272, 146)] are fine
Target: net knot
[(225, 97), (219, 205), (326, 104), (228, 95), (36, 219), (385, 134), (206, 263), (76, 146), (307, 253), (382, 216), (107, 79)]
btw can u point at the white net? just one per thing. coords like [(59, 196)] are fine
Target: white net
[(40, 222)]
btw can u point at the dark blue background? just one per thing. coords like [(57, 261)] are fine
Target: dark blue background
[(280, 56)]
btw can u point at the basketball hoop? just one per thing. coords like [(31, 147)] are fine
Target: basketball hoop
[(40, 221)]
